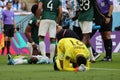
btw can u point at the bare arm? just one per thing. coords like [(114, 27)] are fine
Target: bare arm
[(27, 33), (109, 14), (39, 10), (110, 10), (59, 14)]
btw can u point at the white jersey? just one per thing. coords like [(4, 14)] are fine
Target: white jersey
[(41, 59)]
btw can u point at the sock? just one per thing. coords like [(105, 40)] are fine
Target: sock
[(8, 46), (91, 53), (21, 61), (30, 47), (3, 50), (52, 49), (4, 47), (42, 47), (108, 48)]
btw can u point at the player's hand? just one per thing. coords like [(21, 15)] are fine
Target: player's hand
[(82, 67), (34, 46), (107, 20)]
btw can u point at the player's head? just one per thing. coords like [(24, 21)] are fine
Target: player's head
[(34, 9), (81, 60), (33, 60)]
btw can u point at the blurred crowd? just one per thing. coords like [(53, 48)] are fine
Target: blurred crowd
[(17, 5)]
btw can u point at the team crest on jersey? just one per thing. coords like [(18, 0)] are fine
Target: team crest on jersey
[(30, 22)]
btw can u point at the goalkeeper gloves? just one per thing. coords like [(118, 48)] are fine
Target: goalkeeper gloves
[(82, 67)]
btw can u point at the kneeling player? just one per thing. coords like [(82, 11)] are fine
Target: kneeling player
[(72, 55)]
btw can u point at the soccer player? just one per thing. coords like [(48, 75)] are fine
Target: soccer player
[(8, 26), (106, 9), (51, 12), (65, 33), (36, 59), (32, 28), (72, 55), (85, 17)]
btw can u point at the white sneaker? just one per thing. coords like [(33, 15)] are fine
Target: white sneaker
[(97, 55)]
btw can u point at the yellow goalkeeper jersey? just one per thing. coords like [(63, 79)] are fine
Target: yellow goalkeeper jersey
[(68, 49)]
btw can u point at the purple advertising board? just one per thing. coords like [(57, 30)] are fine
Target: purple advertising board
[(98, 45)]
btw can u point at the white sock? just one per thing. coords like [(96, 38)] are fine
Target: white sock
[(42, 48), (21, 61), (30, 47), (52, 50), (91, 54)]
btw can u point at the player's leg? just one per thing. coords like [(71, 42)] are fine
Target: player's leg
[(95, 54), (106, 30), (108, 45), (86, 27), (20, 61), (43, 28), (8, 33), (52, 34)]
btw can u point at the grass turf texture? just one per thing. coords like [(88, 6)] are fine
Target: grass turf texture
[(98, 71)]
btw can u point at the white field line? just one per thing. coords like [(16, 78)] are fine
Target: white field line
[(105, 69)]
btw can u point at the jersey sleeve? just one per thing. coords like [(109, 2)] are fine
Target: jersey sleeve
[(40, 1), (67, 66), (31, 22), (60, 3)]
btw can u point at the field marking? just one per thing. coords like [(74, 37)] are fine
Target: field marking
[(105, 69)]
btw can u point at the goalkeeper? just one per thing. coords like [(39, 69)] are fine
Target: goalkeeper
[(72, 55)]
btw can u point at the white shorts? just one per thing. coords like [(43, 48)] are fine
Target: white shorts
[(86, 26), (49, 26)]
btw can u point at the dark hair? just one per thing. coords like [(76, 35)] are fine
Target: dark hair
[(8, 2), (34, 8), (81, 60), (33, 60)]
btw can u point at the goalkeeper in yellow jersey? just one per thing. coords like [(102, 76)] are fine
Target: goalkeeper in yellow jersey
[(72, 55)]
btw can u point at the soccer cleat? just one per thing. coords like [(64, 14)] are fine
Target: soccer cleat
[(106, 59), (9, 56), (109, 60), (11, 62), (96, 55), (92, 61)]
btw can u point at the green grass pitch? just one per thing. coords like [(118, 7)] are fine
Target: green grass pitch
[(98, 71)]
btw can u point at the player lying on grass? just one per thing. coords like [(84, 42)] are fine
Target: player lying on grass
[(35, 59), (72, 55)]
